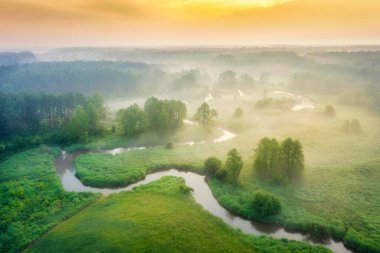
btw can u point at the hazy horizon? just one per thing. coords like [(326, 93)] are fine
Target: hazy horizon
[(131, 23)]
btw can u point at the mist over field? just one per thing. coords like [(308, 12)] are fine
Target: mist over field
[(277, 142)]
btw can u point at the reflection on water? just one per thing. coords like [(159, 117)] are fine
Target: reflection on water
[(227, 135), (202, 195)]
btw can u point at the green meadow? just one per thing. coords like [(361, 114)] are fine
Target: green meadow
[(158, 217), (339, 188), (32, 198)]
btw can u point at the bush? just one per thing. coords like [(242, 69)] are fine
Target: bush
[(212, 165), (169, 145), (352, 127), (221, 174), (330, 111), (319, 233), (265, 203), (238, 112)]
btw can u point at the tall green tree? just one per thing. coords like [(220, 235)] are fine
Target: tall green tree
[(234, 163), (205, 115), (266, 158), (279, 162), (133, 120), (78, 127), (291, 158), (96, 112)]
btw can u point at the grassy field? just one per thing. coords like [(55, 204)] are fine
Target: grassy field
[(339, 189), (158, 217), (32, 199)]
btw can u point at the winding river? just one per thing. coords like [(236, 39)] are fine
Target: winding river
[(202, 192), (202, 195)]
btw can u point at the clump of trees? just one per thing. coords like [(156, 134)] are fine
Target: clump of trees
[(229, 79), (330, 111), (238, 112), (213, 166), (352, 127), (161, 115), (265, 203), (27, 120), (205, 115), (274, 161)]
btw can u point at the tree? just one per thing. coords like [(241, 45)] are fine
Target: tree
[(96, 112), (330, 111), (266, 158), (352, 127), (227, 79), (164, 114), (291, 158), (276, 162), (238, 112), (265, 203), (205, 115), (234, 163), (79, 124), (156, 114), (212, 165), (133, 120)]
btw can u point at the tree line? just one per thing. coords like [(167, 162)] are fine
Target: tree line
[(157, 115), (31, 119)]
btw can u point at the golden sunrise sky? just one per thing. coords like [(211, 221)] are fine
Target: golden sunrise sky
[(59, 23)]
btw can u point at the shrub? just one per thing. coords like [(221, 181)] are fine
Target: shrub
[(319, 233), (169, 145), (265, 203), (221, 174), (330, 110), (238, 112), (352, 127), (212, 165)]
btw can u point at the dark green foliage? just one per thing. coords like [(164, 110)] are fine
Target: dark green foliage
[(32, 199), (27, 114), (158, 115), (234, 163), (164, 114), (291, 159), (330, 111), (267, 158), (205, 115), (352, 127), (212, 166), (265, 203), (221, 174), (238, 112), (319, 233), (78, 127), (86, 77), (169, 145), (28, 120), (133, 120), (278, 162)]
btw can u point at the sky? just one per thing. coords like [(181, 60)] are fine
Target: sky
[(61, 23)]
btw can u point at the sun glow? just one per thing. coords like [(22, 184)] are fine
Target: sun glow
[(228, 3)]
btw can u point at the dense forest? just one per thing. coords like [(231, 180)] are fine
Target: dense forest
[(28, 120)]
